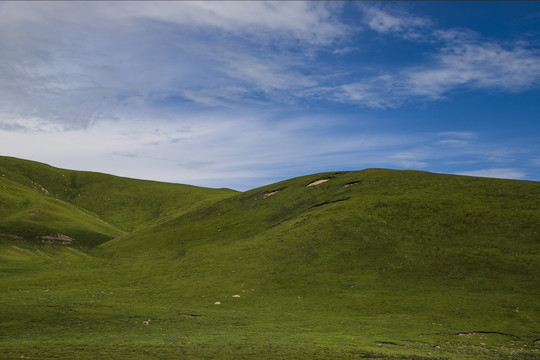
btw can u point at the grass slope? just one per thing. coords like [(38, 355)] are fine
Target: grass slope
[(39, 200), (373, 264), (123, 202), (27, 216)]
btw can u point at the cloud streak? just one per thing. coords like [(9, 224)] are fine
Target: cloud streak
[(499, 173), (463, 61), (477, 66), (310, 22), (226, 55), (395, 21), (242, 93), (211, 54), (239, 151)]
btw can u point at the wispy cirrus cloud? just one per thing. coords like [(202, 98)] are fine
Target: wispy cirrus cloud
[(412, 159), (480, 65), (303, 21), (209, 54), (393, 20), (216, 55), (453, 142), (227, 149), (458, 134), (464, 66), (267, 75), (500, 173), (535, 162), (456, 138), (463, 60), (465, 152)]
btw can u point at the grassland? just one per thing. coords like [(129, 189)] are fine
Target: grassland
[(374, 264)]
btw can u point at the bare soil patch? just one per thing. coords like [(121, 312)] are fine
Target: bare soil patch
[(268, 194), (350, 184), (56, 239), (317, 182)]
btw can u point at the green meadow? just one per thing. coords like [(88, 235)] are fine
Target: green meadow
[(371, 264)]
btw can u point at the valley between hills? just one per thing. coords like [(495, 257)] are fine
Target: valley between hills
[(370, 264)]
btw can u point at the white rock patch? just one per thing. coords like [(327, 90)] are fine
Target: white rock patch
[(318, 182)]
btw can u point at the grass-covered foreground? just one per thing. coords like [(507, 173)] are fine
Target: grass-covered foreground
[(375, 264)]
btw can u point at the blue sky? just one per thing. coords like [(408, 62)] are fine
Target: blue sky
[(243, 94)]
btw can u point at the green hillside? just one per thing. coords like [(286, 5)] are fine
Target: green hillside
[(49, 205), (376, 264), (29, 216)]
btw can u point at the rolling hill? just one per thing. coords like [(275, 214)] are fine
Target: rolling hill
[(375, 263), (46, 204)]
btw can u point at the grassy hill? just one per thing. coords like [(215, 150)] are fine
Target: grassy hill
[(27, 216), (375, 264), (45, 204)]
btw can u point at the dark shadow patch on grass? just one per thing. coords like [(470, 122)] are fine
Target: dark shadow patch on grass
[(328, 203), (387, 343), (189, 314), (375, 355), (465, 333)]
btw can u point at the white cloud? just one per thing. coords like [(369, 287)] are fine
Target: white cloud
[(453, 142), (223, 54), (393, 20), (311, 22), (484, 65), (462, 60), (458, 134), (459, 148), (203, 97), (456, 138), (343, 51), (218, 150), (412, 164), (70, 63), (266, 75), (381, 92), (535, 162), (501, 173), (458, 65), (412, 159)]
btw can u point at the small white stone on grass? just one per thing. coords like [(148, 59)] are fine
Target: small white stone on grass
[(236, 296)]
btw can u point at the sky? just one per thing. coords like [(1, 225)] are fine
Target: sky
[(243, 94)]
